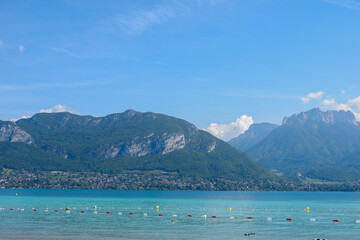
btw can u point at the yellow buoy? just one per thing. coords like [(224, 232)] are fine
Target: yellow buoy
[(307, 209), (157, 207), (16, 194), (95, 207), (229, 208)]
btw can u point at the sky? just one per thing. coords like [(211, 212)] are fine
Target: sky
[(220, 64)]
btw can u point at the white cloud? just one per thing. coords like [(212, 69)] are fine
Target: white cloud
[(231, 130), (138, 21), (56, 109), (317, 95), (352, 105), (21, 48), (351, 4), (16, 119)]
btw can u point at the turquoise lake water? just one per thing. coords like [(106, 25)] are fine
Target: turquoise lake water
[(45, 223)]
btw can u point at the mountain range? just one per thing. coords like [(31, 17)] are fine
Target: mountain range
[(315, 144), (128, 141)]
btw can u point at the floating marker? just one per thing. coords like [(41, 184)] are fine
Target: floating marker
[(203, 216), (213, 216), (56, 210), (312, 219), (161, 215), (22, 210), (82, 211), (229, 208), (269, 219), (107, 212), (131, 213), (95, 207), (34, 210), (174, 215), (189, 215), (145, 214), (249, 218), (157, 207), (11, 209), (307, 209), (232, 217), (95, 212), (289, 219), (335, 220), (357, 221), (119, 213)]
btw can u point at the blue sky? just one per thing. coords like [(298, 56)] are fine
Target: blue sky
[(206, 61)]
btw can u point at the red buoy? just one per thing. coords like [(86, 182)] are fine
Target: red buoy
[(11, 209), (250, 218), (56, 210), (161, 215), (34, 210), (107, 212), (131, 213), (189, 215), (288, 219), (213, 216), (335, 220), (82, 211)]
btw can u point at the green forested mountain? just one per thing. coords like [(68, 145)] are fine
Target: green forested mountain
[(255, 133), (121, 142), (314, 144)]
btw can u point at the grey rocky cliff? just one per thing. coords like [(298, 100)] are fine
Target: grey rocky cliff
[(316, 115), (10, 132)]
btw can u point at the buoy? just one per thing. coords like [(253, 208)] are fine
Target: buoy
[(189, 215), (289, 219), (249, 218), (11, 209), (67, 209), (22, 210), (269, 219), (312, 219), (213, 216), (174, 215), (161, 215), (16, 194), (119, 213), (95, 212), (157, 207), (131, 213), (56, 210), (107, 212), (145, 214), (34, 210), (172, 220), (357, 221), (46, 210), (335, 220), (95, 207), (203, 216), (229, 208), (82, 211), (307, 209), (232, 217)]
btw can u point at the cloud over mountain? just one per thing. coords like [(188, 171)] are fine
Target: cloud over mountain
[(231, 130)]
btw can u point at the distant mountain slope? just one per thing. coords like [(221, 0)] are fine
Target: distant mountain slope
[(122, 142), (313, 142), (255, 133)]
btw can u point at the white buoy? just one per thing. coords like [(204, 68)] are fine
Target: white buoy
[(22, 210), (145, 214), (269, 219), (357, 221), (95, 212), (232, 217), (203, 216), (174, 215), (119, 213), (312, 219)]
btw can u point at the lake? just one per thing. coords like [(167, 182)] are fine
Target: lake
[(133, 215)]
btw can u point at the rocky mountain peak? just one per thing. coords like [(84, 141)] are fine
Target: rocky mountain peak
[(316, 115)]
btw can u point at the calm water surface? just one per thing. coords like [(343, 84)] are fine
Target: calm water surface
[(45, 223)]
